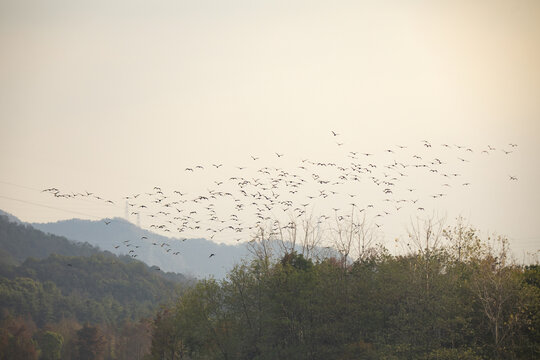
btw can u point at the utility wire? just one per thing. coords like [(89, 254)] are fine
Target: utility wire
[(49, 207)]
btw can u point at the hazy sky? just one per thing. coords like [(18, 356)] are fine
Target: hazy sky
[(116, 97)]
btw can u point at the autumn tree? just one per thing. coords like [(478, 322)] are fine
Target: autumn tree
[(90, 343)]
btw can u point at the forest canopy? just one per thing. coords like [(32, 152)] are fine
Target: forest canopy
[(461, 298)]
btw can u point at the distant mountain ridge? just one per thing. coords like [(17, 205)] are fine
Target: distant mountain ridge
[(124, 238)]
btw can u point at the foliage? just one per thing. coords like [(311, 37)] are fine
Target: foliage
[(19, 242), (45, 299), (90, 343), (463, 299), (50, 344)]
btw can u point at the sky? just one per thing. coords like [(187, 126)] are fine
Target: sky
[(117, 97)]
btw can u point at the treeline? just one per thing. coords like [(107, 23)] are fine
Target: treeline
[(91, 306), (21, 339), (461, 300)]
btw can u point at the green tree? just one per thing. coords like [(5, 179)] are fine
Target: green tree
[(50, 344)]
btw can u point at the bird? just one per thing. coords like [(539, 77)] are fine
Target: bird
[(107, 222), (266, 192)]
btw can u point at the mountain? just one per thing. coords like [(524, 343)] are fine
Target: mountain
[(10, 217), (50, 278), (124, 238), (20, 241)]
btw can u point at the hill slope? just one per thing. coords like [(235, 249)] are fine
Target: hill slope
[(124, 238), (50, 278), (19, 242)]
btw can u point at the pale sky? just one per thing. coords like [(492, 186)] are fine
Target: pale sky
[(116, 97)]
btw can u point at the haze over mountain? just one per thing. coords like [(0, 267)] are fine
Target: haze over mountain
[(10, 217), (192, 254)]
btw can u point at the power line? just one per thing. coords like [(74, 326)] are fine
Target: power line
[(49, 207), (20, 186), (36, 190)]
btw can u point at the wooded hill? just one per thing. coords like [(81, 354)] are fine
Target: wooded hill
[(47, 282)]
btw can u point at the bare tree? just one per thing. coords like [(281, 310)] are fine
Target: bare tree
[(425, 234), (365, 238), (498, 291)]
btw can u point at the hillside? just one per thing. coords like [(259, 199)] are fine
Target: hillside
[(35, 265), (19, 242), (120, 237), (49, 283)]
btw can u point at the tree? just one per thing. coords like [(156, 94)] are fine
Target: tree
[(50, 344), (166, 341), (497, 286), (90, 343), (16, 340), (455, 297), (134, 341)]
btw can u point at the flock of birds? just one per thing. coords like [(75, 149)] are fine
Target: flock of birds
[(362, 187)]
